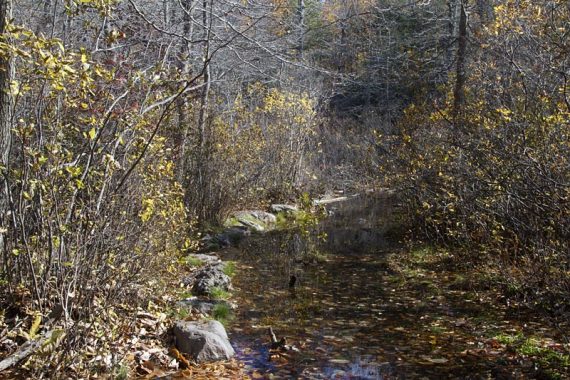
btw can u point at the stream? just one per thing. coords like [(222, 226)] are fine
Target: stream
[(349, 315)]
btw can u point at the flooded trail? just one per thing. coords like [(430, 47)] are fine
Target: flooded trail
[(352, 317)]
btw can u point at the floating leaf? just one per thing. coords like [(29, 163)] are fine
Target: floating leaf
[(434, 360)]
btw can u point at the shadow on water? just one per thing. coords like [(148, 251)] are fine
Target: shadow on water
[(347, 313)]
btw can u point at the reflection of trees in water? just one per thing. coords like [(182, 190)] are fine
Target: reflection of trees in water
[(285, 253), (357, 225)]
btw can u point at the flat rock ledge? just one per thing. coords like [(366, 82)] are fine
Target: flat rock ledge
[(204, 341)]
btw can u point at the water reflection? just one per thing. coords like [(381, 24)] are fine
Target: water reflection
[(364, 367), (346, 312)]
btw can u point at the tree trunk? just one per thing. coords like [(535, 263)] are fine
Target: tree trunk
[(202, 159), (185, 67), (6, 75), (459, 93), (301, 28), (204, 101)]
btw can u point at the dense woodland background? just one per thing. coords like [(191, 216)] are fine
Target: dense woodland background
[(128, 126)]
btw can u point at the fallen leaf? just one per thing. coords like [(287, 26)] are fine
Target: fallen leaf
[(434, 360)]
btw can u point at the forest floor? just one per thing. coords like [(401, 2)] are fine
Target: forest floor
[(521, 339), (128, 341)]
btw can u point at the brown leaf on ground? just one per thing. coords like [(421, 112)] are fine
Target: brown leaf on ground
[(184, 363)]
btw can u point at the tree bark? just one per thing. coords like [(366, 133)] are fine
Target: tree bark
[(181, 134), (6, 109), (202, 159), (301, 28), (459, 93)]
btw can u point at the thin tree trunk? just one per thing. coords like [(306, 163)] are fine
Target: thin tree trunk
[(301, 28), (206, 89), (181, 134), (6, 76), (451, 5), (202, 159), (459, 91), (166, 10)]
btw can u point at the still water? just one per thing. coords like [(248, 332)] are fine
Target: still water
[(348, 315)]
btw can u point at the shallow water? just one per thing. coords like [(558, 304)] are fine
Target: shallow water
[(348, 314)]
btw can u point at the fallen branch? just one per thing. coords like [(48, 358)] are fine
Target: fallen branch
[(279, 345), (25, 350)]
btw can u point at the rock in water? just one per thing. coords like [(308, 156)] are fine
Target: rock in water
[(208, 277), (254, 226), (255, 220), (265, 217), (284, 208), (205, 341)]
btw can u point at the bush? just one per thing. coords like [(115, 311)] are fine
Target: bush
[(495, 177), (258, 149), (92, 189)]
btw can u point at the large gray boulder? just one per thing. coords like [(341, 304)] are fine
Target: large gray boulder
[(209, 243), (209, 277), (205, 341)]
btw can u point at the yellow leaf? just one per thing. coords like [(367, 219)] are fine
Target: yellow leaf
[(14, 88), (35, 326), (60, 45), (92, 133)]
